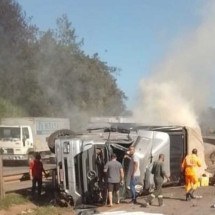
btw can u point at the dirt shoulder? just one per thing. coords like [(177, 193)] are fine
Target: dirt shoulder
[(174, 203)]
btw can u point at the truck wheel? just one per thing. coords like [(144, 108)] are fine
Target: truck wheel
[(59, 133)]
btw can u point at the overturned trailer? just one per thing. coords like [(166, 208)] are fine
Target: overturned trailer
[(80, 157)]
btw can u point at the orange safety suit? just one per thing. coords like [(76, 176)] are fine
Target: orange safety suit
[(189, 166)]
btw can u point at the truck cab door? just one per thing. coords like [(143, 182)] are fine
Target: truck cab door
[(148, 147), (27, 137), (76, 168)]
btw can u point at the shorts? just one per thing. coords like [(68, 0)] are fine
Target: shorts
[(113, 187)]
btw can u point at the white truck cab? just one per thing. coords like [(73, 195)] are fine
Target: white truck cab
[(21, 137), (15, 142)]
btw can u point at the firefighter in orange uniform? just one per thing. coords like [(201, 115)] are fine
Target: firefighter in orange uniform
[(190, 165)]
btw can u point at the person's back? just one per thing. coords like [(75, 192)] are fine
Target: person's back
[(159, 175), (115, 175), (114, 168), (158, 169), (37, 168), (190, 164)]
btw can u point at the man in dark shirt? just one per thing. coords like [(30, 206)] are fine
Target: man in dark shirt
[(115, 176), (159, 175)]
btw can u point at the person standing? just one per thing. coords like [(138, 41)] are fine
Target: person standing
[(133, 171), (115, 176), (100, 164), (36, 169), (189, 166), (159, 174)]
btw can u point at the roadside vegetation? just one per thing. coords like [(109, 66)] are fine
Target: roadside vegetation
[(11, 202), (12, 199)]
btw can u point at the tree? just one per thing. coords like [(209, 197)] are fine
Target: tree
[(16, 37), (48, 74), (76, 80)]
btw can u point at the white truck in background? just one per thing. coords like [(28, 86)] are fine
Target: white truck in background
[(21, 137)]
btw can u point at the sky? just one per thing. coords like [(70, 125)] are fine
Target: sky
[(133, 35), (165, 50)]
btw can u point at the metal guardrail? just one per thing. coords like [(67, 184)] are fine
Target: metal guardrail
[(12, 181), (20, 176), (21, 181), (24, 176), (209, 139)]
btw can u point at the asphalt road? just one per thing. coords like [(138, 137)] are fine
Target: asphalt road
[(16, 173)]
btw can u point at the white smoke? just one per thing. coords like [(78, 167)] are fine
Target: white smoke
[(182, 85)]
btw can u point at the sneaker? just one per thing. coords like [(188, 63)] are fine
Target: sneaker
[(133, 201), (148, 204), (192, 196), (145, 205)]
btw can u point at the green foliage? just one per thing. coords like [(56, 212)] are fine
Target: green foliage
[(47, 73), (9, 110), (12, 199)]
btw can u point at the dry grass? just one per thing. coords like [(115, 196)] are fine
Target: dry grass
[(12, 199)]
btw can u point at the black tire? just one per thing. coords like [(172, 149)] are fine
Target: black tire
[(59, 133)]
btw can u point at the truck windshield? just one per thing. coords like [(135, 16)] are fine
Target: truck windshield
[(9, 132)]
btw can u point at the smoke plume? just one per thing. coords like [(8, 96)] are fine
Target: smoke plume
[(181, 86)]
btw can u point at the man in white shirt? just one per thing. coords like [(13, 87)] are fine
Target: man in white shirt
[(134, 172)]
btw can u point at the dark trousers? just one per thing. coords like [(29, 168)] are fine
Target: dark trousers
[(158, 191), (37, 182), (158, 186)]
